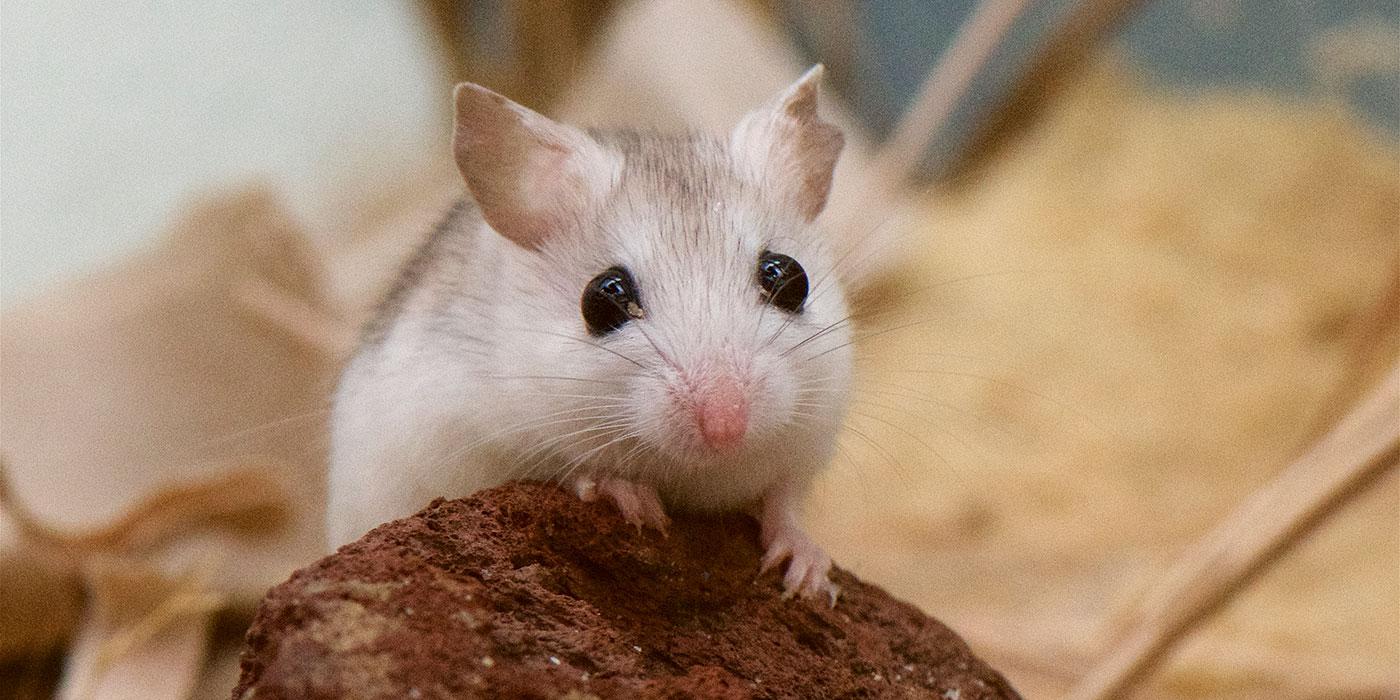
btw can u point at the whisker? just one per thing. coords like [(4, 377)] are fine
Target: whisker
[(589, 343), (548, 377), (1061, 405), (578, 461), (551, 446), (829, 328), (904, 477), (889, 459), (555, 441), (262, 428), (518, 428), (907, 392), (936, 425)]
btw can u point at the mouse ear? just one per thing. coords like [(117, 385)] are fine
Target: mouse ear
[(786, 146), (530, 176)]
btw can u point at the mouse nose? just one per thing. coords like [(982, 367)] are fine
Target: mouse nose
[(722, 411)]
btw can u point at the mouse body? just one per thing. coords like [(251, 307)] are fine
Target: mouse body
[(650, 319)]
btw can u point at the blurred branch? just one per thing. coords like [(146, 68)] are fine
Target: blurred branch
[(1352, 457), (1075, 35), (528, 49), (247, 496), (1371, 338), (946, 85), (1078, 32)]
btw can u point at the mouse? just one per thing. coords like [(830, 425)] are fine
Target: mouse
[(650, 319)]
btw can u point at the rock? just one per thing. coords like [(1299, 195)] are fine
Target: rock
[(523, 591)]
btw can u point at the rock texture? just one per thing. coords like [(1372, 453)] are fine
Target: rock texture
[(523, 591)]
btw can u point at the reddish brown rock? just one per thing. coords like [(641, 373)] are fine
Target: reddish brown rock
[(523, 591)]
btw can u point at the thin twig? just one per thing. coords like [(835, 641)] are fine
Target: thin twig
[(1363, 446), (1077, 31), (893, 166), (946, 85)]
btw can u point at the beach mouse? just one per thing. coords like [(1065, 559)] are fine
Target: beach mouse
[(644, 318)]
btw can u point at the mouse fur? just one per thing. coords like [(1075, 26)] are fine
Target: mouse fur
[(477, 367)]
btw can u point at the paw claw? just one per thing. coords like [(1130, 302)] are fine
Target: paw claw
[(776, 555), (585, 488), (808, 566), (639, 504)]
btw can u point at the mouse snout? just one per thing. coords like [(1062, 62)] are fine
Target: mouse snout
[(722, 412)]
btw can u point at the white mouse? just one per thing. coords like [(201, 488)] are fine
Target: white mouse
[(651, 319)]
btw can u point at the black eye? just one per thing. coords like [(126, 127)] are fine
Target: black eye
[(783, 282), (609, 301)]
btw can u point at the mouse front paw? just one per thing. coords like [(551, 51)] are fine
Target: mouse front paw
[(808, 566), (639, 504)]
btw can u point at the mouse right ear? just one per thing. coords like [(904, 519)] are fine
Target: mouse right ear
[(530, 176), (788, 146)]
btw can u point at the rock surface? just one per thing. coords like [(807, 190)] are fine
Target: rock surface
[(524, 591)]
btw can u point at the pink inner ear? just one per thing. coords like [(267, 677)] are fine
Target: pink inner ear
[(544, 176), (793, 149), (819, 146), (547, 190), (528, 175), (527, 200)]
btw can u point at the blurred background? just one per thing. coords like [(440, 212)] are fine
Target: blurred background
[(173, 98), (1159, 241)]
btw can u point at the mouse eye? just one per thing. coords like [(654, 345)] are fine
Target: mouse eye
[(781, 281), (609, 301)]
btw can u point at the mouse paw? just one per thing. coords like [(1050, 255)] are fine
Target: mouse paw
[(808, 566), (638, 503), (585, 487)]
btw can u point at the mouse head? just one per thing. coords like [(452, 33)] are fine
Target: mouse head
[(675, 288)]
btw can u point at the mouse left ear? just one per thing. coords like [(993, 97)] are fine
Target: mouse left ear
[(786, 146), (530, 175)]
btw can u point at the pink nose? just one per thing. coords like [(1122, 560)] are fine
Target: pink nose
[(722, 411)]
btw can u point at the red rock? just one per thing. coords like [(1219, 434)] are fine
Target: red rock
[(523, 591)]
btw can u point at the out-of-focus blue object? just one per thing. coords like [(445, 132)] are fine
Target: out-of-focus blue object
[(1285, 46), (1350, 48)]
